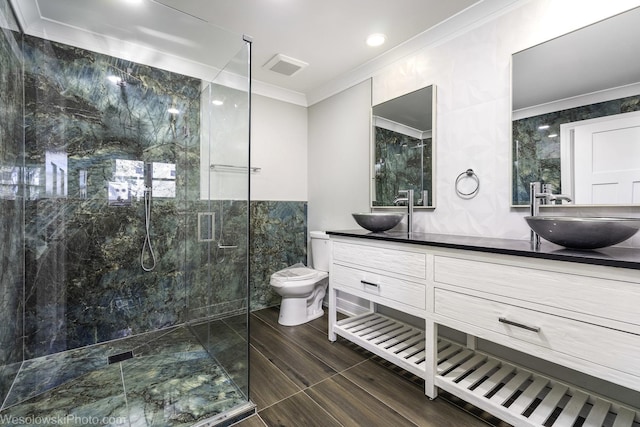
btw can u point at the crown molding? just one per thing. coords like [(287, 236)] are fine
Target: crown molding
[(464, 21), (34, 24)]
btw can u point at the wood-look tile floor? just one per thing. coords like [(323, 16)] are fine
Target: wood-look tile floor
[(299, 378)]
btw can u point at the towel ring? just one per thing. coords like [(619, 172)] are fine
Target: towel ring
[(469, 173)]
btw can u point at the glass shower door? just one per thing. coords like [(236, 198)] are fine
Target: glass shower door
[(200, 369), (217, 266), (109, 335)]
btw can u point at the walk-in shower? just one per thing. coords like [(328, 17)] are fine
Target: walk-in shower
[(124, 271)]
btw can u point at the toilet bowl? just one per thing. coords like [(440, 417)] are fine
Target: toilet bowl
[(302, 288)]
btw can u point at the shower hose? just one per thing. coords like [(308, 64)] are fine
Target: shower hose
[(147, 238)]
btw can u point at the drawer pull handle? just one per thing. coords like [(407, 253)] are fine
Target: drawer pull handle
[(519, 325), (364, 282)]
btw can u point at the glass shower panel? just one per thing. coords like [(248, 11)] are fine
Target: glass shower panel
[(218, 309), (11, 195), (124, 296)]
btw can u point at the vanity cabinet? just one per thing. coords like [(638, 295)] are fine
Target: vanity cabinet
[(581, 316), (396, 276), (391, 275)]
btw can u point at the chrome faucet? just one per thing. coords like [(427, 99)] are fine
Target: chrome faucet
[(409, 200), (399, 199), (541, 194)]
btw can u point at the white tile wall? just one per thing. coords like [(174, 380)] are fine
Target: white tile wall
[(472, 74)]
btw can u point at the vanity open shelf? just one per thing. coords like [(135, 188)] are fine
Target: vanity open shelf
[(520, 396), (395, 341), (516, 395), (579, 316)]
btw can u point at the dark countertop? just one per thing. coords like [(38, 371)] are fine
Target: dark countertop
[(611, 256)]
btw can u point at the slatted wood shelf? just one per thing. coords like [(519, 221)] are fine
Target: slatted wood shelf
[(512, 393), (521, 397), (395, 341)]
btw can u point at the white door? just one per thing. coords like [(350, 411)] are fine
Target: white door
[(607, 160)]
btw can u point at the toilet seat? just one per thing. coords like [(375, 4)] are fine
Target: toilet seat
[(297, 277), (295, 273)]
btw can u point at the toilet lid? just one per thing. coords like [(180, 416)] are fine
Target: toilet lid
[(295, 273)]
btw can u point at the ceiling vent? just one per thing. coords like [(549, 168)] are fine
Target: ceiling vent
[(285, 65)]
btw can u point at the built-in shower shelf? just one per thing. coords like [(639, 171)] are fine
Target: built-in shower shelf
[(512, 393)]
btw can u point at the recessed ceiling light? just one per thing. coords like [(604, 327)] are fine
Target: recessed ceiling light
[(173, 110), (376, 39), (217, 102)]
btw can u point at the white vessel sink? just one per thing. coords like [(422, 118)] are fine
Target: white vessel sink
[(584, 232), (378, 221)]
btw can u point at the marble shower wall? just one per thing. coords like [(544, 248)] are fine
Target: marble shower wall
[(11, 207), (90, 120), (537, 156), (92, 123)]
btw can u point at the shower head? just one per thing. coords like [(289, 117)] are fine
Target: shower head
[(123, 78)]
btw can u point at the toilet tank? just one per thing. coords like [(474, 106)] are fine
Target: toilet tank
[(320, 250)]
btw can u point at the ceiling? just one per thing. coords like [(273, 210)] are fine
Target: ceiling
[(328, 35)]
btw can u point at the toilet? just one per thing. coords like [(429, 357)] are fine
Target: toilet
[(303, 288)]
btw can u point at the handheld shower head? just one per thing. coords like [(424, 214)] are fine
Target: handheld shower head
[(148, 175)]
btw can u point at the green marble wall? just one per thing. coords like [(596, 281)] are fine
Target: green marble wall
[(278, 240), (536, 156), (84, 282), (11, 207)]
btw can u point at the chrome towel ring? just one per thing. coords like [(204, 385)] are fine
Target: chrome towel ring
[(468, 174)]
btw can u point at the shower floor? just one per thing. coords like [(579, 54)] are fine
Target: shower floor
[(171, 380)]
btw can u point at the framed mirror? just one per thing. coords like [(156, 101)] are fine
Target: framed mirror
[(402, 149), (575, 114)]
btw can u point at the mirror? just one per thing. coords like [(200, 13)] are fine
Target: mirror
[(403, 148), (572, 101)]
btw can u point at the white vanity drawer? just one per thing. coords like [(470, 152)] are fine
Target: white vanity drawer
[(595, 296), (397, 261), (596, 344), (391, 288)]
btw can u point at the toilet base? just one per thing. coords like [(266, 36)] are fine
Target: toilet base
[(294, 311)]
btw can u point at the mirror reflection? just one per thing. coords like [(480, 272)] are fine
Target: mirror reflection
[(403, 149), (575, 124)]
